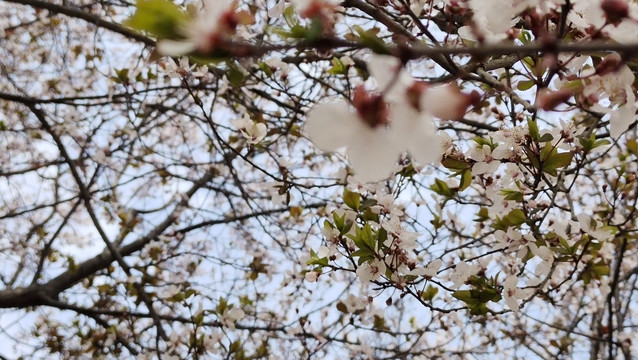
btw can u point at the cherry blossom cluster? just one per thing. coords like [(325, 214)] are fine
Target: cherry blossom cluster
[(377, 126)]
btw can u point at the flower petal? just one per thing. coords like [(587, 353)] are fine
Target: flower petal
[(387, 70), (417, 133), (373, 155), (175, 48), (623, 116), (330, 126), (512, 302)]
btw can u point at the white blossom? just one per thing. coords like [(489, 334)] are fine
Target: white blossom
[(371, 270), (254, 132), (428, 271), (376, 132), (211, 25), (512, 293), (462, 273), (230, 316)]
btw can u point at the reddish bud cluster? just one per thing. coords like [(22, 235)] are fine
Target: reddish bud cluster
[(370, 107)]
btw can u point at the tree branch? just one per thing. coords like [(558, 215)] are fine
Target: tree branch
[(90, 18)]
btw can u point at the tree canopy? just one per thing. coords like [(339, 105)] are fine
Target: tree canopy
[(318, 179)]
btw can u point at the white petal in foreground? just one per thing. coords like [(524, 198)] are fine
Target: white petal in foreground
[(417, 134), (373, 155), (330, 126), (624, 116), (175, 48)]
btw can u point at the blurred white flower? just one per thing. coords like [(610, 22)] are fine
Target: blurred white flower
[(217, 20), (371, 270), (253, 132), (173, 70), (311, 276), (462, 272), (231, 316), (397, 236), (485, 163), (616, 87), (512, 293), (428, 271), (377, 130), (547, 257)]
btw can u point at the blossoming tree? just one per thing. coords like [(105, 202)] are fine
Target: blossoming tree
[(325, 179)]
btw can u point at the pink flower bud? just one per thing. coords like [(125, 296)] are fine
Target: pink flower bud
[(610, 63), (615, 10)]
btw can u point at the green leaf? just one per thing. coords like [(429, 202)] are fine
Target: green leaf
[(437, 222), (533, 129), (265, 68), (369, 215), (370, 39), (569, 249), (529, 62), (339, 221), (465, 296), (327, 224), (587, 143), (160, 18), (363, 254), (601, 142), (379, 323), (485, 295), (440, 187), (482, 215), (632, 146), (482, 142), (346, 227), (556, 161), (479, 309), (600, 270), (234, 347), (222, 306), (367, 237), (314, 31), (122, 76), (525, 37), (316, 260), (531, 156), (234, 74), (515, 217), (454, 164), (525, 85), (546, 152), (338, 68), (512, 195), (352, 199), (547, 137), (382, 236), (367, 203), (429, 293), (290, 16), (466, 179)]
